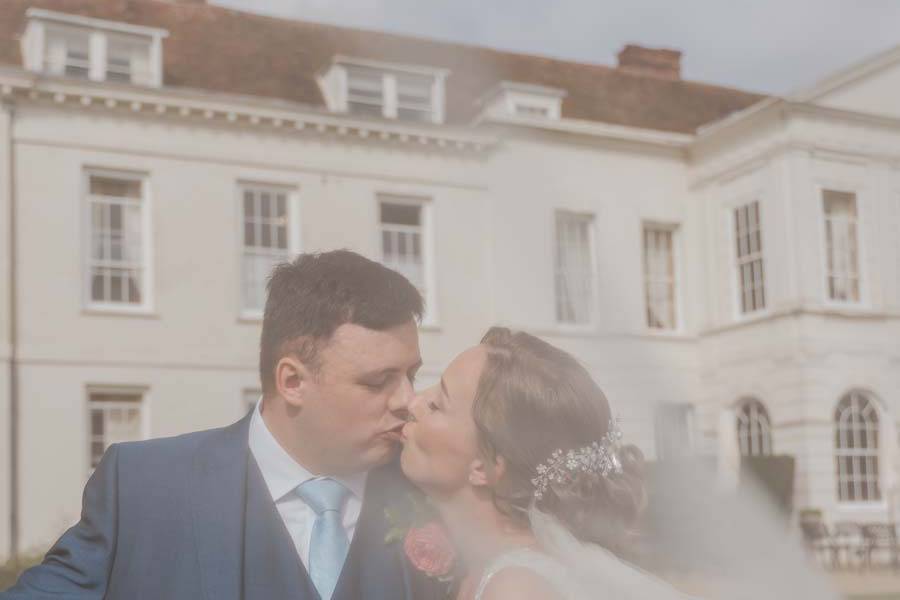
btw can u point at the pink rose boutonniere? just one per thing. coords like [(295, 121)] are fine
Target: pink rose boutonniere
[(426, 543), (430, 550)]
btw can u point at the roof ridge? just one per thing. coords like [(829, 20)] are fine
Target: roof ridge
[(470, 46), (231, 50)]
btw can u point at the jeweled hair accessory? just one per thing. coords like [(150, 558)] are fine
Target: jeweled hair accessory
[(600, 457)]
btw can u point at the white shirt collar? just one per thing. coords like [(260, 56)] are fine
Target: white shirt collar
[(280, 471)]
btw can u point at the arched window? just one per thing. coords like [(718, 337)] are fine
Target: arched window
[(754, 430), (856, 448)]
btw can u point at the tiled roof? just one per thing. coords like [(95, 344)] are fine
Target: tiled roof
[(218, 49)]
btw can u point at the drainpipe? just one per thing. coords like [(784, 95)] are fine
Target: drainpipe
[(9, 109)]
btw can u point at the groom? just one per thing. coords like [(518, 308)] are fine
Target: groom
[(289, 502)]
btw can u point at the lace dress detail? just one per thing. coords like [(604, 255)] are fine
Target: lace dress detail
[(543, 565)]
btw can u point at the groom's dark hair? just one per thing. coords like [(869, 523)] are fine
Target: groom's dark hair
[(309, 298)]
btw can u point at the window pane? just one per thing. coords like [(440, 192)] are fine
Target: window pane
[(659, 277), (414, 91), (401, 214), (365, 91), (266, 241), (414, 101), (408, 114), (134, 288), (256, 269), (116, 188), (856, 448), (116, 239), (574, 268), (401, 240), (77, 63), (118, 68), (127, 59), (754, 427), (749, 265), (114, 417), (528, 110), (368, 110), (115, 294), (841, 247)]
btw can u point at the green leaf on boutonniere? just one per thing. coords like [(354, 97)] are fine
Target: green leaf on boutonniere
[(395, 534), (414, 511)]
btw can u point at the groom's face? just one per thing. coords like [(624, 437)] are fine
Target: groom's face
[(357, 401)]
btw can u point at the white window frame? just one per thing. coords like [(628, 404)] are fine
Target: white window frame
[(431, 316), (146, 305), (878, 454), (335, 86), (294, 241), (737, 261), (858, 193), (131, 390), (43, 24), (675, 230), (506, 98), (591, 218), (752, 421)]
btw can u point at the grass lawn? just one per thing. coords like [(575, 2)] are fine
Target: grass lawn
[(9, 572)]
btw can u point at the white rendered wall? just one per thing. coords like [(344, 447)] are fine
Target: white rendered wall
[(194, 353), (533, 176)]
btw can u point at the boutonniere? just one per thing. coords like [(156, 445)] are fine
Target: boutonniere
[(426, 542)]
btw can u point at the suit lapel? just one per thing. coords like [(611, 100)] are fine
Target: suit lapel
[(217, 503), (237, 550), (272, 568), (374, 570)]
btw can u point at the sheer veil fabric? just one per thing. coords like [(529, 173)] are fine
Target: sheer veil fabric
[(583, 571)]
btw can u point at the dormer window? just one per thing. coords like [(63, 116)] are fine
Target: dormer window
[(511, 99), (69, 54), (526, 109), (365, 91), (415, 97), (392, 91), (85, 48)]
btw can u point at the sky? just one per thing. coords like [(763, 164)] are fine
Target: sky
[(768, 46)]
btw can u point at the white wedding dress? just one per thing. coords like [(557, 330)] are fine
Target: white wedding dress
[(543, 565), (579, 571)]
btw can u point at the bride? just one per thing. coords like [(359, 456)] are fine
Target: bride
[(517, 450)]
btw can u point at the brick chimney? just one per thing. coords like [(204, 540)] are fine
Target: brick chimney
[(656, 62)]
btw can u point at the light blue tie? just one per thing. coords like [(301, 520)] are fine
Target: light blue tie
[(328, 545)]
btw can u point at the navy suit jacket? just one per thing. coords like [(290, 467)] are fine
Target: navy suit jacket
[(190, 518)]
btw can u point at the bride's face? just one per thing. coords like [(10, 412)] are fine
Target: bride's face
[(440, 442)]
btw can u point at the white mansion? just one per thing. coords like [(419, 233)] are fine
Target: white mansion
[(713, 256)]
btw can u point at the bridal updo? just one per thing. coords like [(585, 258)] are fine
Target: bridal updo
[(533, 399)]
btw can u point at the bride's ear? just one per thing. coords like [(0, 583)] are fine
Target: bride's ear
[(484, 472)]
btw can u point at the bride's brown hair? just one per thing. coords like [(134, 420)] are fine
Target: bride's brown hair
[(532, 399)]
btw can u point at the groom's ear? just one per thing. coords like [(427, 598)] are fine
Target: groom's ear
[(292, 378)]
